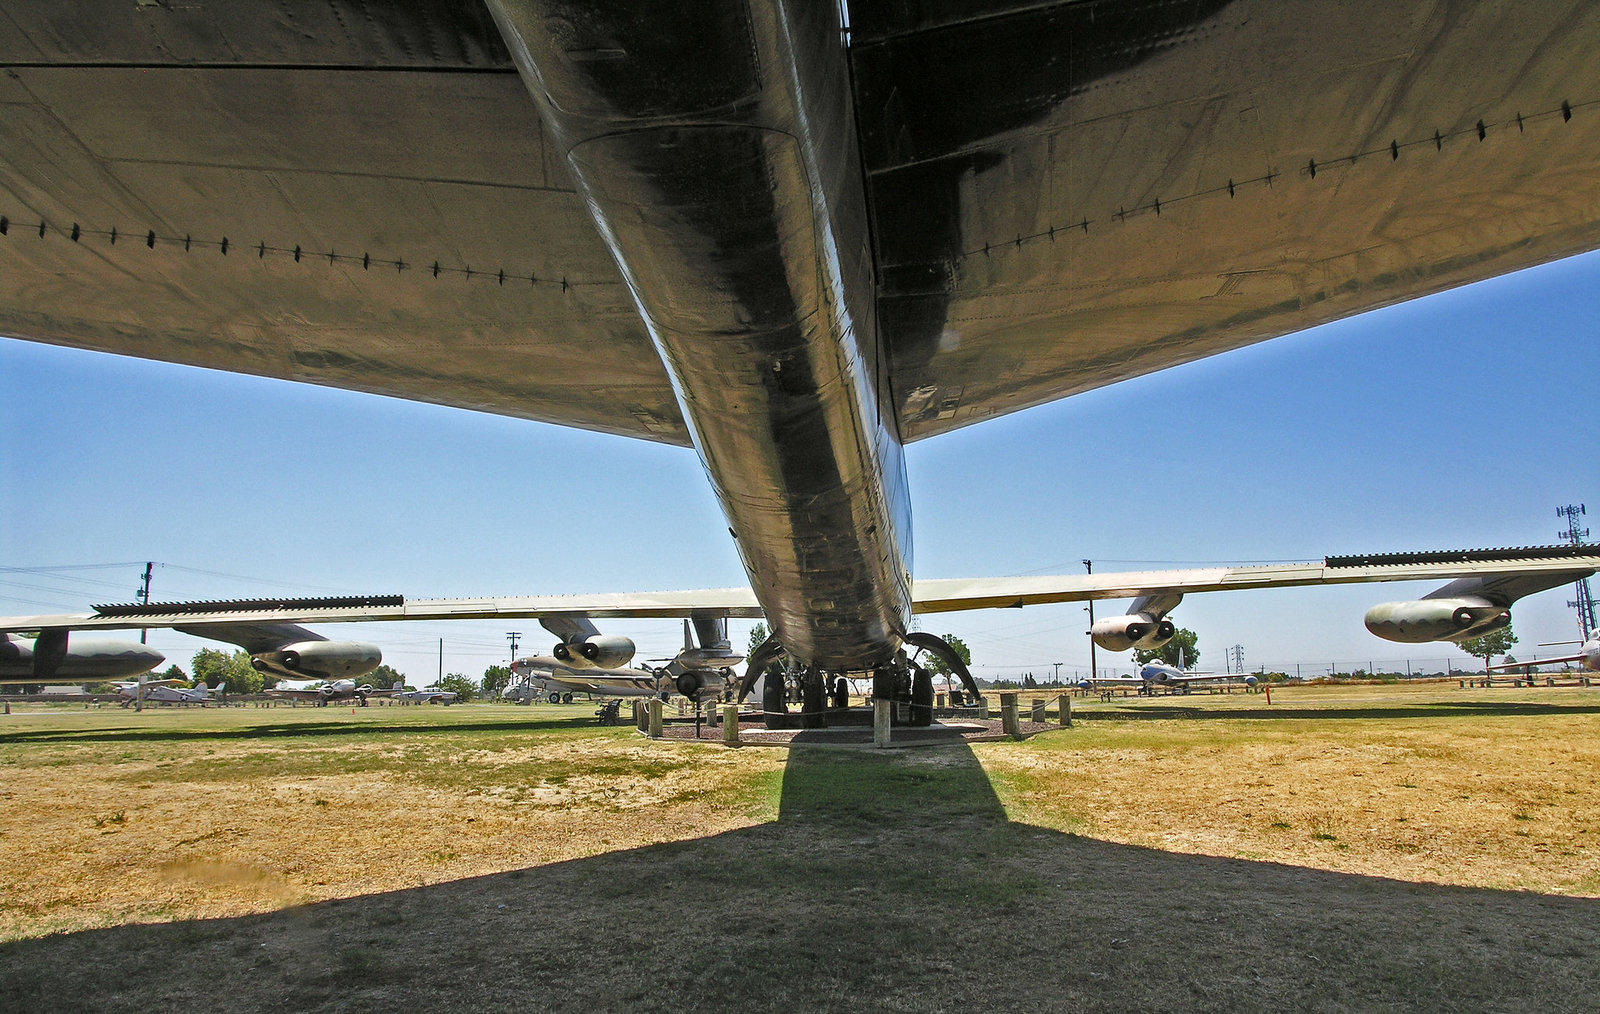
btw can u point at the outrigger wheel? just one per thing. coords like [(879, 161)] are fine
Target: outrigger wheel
[(937, 647)]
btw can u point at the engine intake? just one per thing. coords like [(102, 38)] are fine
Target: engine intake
[(597, 652), (327, 659), (1133, 630), (1424, 620)]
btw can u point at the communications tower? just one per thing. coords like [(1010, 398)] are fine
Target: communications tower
[(1584, 603)]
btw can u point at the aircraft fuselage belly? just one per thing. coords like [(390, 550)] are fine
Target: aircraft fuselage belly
[(715, 147)]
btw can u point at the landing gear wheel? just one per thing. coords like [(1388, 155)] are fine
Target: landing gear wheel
[(555, 698), (566, 698), (921, 697), (813, 690), (774, 706)]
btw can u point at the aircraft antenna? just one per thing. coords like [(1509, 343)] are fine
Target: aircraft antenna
[(1584, 603)]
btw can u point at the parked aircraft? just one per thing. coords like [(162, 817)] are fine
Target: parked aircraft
[(584, 662), (321, 691), (427, 695), (1155, 676), (791, 247), (546, 675), (89, 659), (1588, 656), (165, 692)]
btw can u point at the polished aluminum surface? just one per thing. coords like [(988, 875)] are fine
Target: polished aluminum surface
[(725, 186)]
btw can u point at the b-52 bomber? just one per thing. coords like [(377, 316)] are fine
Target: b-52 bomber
[(790, 243)]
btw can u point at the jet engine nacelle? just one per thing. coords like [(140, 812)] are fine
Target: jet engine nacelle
[(1133, 630), (1436, 619), (334, 659), (695, 682), (597, 652)]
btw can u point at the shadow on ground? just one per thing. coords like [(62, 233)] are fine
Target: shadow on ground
[(888, 882), (289, 730)]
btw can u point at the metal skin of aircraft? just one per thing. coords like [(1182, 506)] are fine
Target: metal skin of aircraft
[(1159, 675), (323, 692), (558, 681), (137, 693), (585, 662), (292, 652), (427, 695), (1587, 656), (89, 659), (791, 243)]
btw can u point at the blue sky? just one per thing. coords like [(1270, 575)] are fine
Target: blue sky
[(1459, 420)]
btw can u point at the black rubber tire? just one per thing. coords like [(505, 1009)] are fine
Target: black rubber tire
[(566, 698), (814, 701), (555, 698), (921, 697), (773, 703)]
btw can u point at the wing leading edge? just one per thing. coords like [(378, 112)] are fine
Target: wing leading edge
[(1518, 570)]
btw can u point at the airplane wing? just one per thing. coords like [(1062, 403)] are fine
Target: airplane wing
[(1061, 196), (1535, 663), (1516, 569)]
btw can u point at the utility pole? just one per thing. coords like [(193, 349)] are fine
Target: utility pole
[(441, 663), (1584, 603), (1088, 568), (143, 595), (1058, 671), (512, 635)]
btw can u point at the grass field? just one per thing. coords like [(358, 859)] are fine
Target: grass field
[(1388, 847)]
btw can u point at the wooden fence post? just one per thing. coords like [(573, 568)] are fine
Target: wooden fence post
[(1008, 716), (730, 725), (1064, 702)]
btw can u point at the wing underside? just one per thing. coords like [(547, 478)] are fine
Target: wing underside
[(1062, 195)]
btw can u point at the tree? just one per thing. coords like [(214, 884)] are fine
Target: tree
[(385, 677), (1184, 640), (175, 673), (758, 634), (495, 679), (213, 667), (936, 665), (465, 689), (1495, 642)]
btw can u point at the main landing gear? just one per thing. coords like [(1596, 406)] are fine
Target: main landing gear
[(821, 694)]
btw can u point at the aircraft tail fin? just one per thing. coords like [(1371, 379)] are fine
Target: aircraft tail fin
[(217, 693)]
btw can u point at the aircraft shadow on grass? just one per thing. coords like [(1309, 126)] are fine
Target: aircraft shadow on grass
[(889, 881)]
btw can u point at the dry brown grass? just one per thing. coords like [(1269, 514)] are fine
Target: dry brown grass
[(1347, 851), (111, 818), (1474, 788)]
